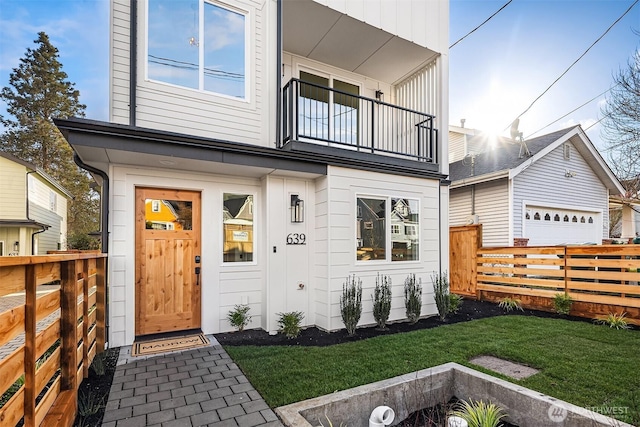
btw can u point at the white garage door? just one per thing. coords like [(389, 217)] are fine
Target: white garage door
[(544, 226)]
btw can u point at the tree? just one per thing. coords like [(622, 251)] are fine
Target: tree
[(39, 91), (621, 125)]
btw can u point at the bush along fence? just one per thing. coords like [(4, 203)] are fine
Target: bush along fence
[(52, 324), (599, 279)]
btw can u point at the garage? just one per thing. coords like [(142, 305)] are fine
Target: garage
[(545, 226)]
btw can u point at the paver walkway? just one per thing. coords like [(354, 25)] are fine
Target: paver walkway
[(200, 387)]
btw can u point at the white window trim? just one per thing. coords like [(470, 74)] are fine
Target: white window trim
[(2, 246), (248, 24), (256, 235), (388, 234)]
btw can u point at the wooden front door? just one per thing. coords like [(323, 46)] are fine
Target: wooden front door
[(167, 244)]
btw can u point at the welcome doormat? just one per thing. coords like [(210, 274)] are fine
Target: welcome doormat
[(163, 345)]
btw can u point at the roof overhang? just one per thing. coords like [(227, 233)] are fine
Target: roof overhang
[(480, 179), (323, 34), (23, 223)]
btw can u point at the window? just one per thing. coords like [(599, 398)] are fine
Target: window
[(566, 218), (582, 220), (547, 217), (556, 217), (167, 215), (198, 44), (371, 235), (536, 216), (53, 201), (237, 218), (574, 219), (328, 115), (590, 220)]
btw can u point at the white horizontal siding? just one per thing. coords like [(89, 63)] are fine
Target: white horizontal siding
[(544, 184), (344, 185), (491, 206), (119, 62)]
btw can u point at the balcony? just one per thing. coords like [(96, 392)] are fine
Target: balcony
[(332, 117)]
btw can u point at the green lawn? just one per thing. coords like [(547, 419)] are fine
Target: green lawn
[(585, 364)]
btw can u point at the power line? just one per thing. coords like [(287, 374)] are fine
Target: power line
[(572, 111), (485, 21), (576, 61)]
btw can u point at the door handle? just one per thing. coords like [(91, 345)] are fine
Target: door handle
[(197, 276)]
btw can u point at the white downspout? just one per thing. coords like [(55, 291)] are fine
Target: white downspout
[(381, 416)]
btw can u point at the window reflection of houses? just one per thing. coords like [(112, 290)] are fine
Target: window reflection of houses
[(238, 228), (371, 228), (167, 215), (404, 229)]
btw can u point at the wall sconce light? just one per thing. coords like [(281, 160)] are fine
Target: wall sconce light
[(380, 95), (16, 246), (297, 209), (569, 174)]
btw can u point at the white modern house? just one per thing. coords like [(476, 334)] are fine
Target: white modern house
[(553, 189), (33, 209), (267, 126)]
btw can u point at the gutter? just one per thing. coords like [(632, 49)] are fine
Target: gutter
[(133, 69), (480, 178), (279, 73), (104, 230)]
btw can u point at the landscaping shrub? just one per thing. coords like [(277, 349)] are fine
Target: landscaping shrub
[(562, 303), (351, 303), (382, 300), (479, 414), (441, 293), (455, 302), (290, 323), (239, 317), (614, 320), (509, 304), (413, 297)]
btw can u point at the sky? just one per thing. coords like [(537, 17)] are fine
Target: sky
[(495, 73)]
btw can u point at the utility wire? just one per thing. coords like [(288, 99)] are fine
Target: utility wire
[(572, 111), (576, 61), (485, 21)]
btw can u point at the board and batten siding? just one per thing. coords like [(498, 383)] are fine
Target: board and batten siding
[(172, 108), (13, 190), (544, 184), (491, 206), (49, 239), (342, 188), (223, 284)]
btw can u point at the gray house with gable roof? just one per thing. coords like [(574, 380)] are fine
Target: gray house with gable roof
[(552, 189)]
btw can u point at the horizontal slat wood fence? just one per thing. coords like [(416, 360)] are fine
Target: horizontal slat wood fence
[(601, 279), (46, 356)]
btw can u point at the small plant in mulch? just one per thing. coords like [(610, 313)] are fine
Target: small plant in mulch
[(382, 301), (614, 320), (290, 323), (441, 294), (413, 298), (455, 302), (509, 304), (239, 317), (90, 403), (351, 303), (93, 393), (562, 303)]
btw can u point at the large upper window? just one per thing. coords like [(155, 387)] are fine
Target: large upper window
[(198, 44), (399, 242)]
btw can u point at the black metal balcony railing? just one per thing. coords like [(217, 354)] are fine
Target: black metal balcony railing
[(319, 114)]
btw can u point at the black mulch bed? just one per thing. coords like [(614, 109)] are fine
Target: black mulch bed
[(97, 387), (436, 416), (470, 310)]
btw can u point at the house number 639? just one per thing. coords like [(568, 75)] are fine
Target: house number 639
[(296, 239)]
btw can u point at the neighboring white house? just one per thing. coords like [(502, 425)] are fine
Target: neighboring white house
[(33, 209), (267, 144), (552, 189)]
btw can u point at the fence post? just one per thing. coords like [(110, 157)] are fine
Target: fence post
[(30, 317), (566, 279), (85, 318), (68, 324)]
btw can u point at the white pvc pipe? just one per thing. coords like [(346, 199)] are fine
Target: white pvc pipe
[(457, 422), (381, 416)]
